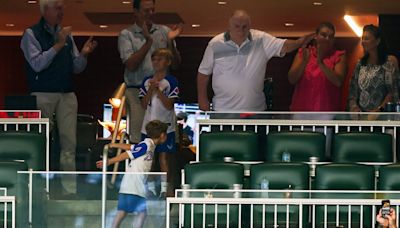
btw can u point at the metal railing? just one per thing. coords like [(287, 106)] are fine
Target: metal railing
[(324, 122), (274, 212)]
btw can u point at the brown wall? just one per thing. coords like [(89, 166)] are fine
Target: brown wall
[(105, 71)]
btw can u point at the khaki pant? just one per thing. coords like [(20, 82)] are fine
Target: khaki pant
[(65, 108), (135, 113)]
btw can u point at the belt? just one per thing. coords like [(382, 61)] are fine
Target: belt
[(136, 87)]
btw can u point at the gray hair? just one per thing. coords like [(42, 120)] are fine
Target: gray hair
[(240, 14), (44, 3)]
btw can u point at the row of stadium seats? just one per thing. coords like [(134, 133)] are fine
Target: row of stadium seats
[(249, 146), (214, 175), (26, 146), (335, 176)]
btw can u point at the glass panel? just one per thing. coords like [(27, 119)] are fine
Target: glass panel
[(60, 208), (139, 193)]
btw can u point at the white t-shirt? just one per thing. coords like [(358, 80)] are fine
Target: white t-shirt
[(155, 109), (239, 72), (141, 155)]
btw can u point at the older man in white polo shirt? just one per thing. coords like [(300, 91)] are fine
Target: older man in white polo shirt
[(237, 59)]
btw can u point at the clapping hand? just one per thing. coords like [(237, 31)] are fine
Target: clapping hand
[(175, 31), (89, 46), (62, 37), (154, 85), (323, 48), (146, 33), (63, 33), (305, 40)]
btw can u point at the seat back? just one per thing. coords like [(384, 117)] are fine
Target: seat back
[(389, 180), (212, 175), (362, 147), (86, 133), (280, 176), (242, 146), (27, 146), (344, 177), (300, 145)]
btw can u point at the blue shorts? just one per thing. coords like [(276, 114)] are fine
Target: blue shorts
[(131, 203), (168, 147)]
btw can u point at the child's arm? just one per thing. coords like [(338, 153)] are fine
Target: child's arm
[(121, 146), (123, 156), (167, 102)]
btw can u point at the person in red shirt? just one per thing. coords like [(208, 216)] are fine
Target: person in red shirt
[(318, 72)]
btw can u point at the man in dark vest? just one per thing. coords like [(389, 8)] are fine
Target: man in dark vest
[(52, 58)]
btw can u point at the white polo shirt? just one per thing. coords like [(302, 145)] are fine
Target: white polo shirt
[(239, 72), (130, 41)]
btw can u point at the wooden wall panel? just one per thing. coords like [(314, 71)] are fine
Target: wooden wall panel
[(105, 71)]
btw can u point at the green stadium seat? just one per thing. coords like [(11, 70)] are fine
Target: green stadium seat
[(86, 136), (212, 175), (280, 176), (344, 177), (362, 147), (27, 146), (17, 185), (300, 145), (389, 180), (242, 146)]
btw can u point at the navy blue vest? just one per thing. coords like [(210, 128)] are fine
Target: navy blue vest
[(57, 77)]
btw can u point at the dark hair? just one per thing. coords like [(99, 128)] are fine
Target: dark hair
[(326, 25), (155, 128), (382, 49), (182, 116), (136, 3)]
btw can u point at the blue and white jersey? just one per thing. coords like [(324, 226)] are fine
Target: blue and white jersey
[(141, 156), (155, 109)]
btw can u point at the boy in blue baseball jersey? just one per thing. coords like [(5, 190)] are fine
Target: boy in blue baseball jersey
[(158, 94), (132, 193)]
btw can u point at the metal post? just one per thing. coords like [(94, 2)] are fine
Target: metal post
[(104, 187), (30, 196)]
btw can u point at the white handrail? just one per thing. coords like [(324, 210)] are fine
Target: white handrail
[(238, 203), (289, 190), (5, 200), (268, 201)]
